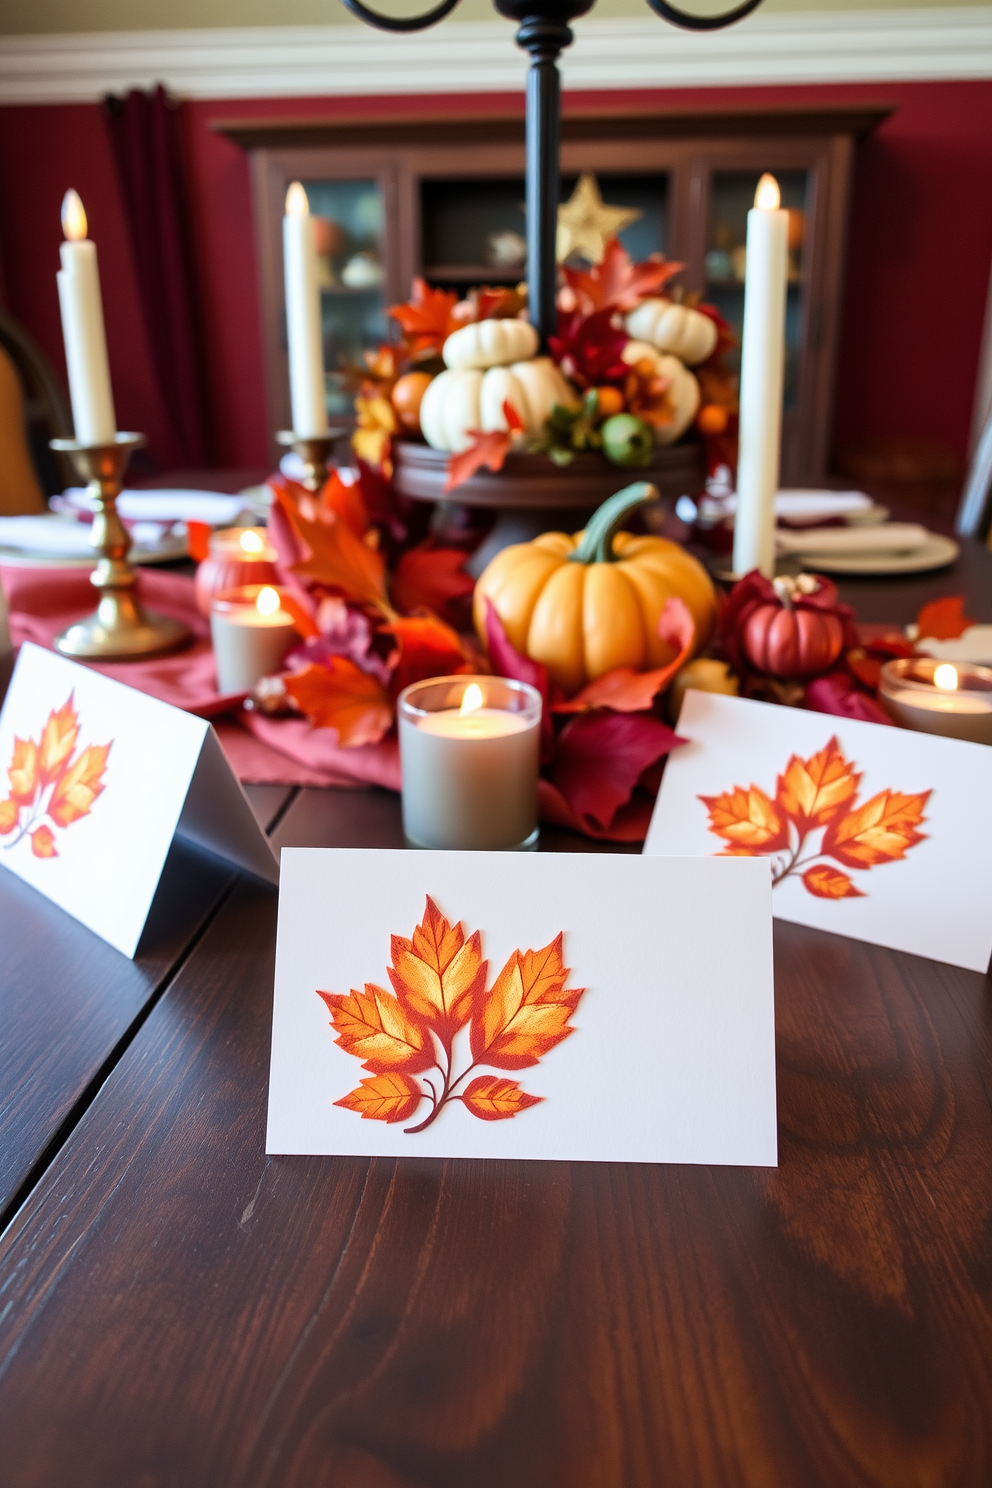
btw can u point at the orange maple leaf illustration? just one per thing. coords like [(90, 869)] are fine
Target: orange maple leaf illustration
[(439, 980), (376, 1027), (826, 882), (813, 791), (494, 1099), (58, 740), (23, 772), (46, 781), (78, 786), (438, 973), (43, 843), (880, 831), (527, 1011), (387, 1097), (747, 820), (818, 795)]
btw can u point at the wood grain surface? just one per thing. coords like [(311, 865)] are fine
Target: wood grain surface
[(181, 1310), (67, 999)]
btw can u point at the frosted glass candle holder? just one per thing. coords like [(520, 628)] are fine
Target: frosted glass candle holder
[(251, 634), (469, 752), (939, 697)]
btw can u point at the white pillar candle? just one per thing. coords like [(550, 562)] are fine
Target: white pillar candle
[(762, 379), (83, 330), (939, 697), (306, 356), (469, 752), (251, 634)]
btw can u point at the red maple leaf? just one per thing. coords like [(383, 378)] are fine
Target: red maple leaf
[(617, 283)]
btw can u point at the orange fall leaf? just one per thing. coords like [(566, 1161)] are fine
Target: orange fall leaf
[(77, 789), (493, 1098), (438, 974), (388, 1097), (880, 831), (375, 1027), (747, 820), (43, 843), (813, 791), (58, 740), (338, 695), (827, 882)]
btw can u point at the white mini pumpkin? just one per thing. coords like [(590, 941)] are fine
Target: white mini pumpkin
[(683, 393), (489, 343), (463, 399), (682, 332)]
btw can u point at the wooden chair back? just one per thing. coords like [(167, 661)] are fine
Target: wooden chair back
[(45, 413)]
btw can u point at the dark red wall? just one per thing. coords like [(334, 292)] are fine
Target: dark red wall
[(917, 276)]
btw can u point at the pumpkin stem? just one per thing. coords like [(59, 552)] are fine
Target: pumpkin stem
[(597, 541)]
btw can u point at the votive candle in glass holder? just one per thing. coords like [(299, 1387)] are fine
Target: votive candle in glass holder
[(469, 753), (251, 634), (235, 556), (939, 697)]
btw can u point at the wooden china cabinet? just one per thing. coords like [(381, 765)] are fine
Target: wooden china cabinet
[(445, 199)]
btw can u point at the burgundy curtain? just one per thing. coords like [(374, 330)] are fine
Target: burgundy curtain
[(144, 131)]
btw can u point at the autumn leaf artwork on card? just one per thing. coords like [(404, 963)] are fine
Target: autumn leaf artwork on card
[(48, 778), (813, 828), (408, 1041)]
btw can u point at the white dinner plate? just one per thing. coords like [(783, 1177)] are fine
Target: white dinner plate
[(936, 552), (57, 542)]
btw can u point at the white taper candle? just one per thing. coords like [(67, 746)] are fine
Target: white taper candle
[(83, 330), (762, 377), (306, 357)]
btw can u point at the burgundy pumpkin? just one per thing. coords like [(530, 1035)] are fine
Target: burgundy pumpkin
[(792, 643)]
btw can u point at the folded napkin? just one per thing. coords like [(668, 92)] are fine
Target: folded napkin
[(804, 506), (973, 644), (63, 537), (887, 537)]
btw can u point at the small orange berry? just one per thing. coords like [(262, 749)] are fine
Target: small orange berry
[(712, 419), (609, 400)]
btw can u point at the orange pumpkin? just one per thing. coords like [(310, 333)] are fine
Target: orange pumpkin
[(587, 604)]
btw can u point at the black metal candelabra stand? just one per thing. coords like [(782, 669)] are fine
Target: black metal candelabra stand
[(544, 32)]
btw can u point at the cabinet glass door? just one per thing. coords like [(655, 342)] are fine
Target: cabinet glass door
[(352, 278), (474, 231), (731, 198)]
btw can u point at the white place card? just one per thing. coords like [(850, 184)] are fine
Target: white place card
[(882, 834), (582, 1006), (95, 781)]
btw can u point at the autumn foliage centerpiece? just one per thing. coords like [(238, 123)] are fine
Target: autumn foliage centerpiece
[(630, 370), (370, 605)]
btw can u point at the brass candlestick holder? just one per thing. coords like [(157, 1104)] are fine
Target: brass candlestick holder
[(119, 629), (313, 451)]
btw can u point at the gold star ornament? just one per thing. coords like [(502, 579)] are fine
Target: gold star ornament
[(585, 224)]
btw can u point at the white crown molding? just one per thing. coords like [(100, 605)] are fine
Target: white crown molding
[(328, 61)]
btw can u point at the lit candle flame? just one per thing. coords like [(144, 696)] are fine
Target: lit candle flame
[(946, 677), (251, 542), (267, 602), (297, 204), (472, 698), (768, 198), (73, 217)]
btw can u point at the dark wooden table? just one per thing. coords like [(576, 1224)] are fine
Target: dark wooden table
[(179, 1311)]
